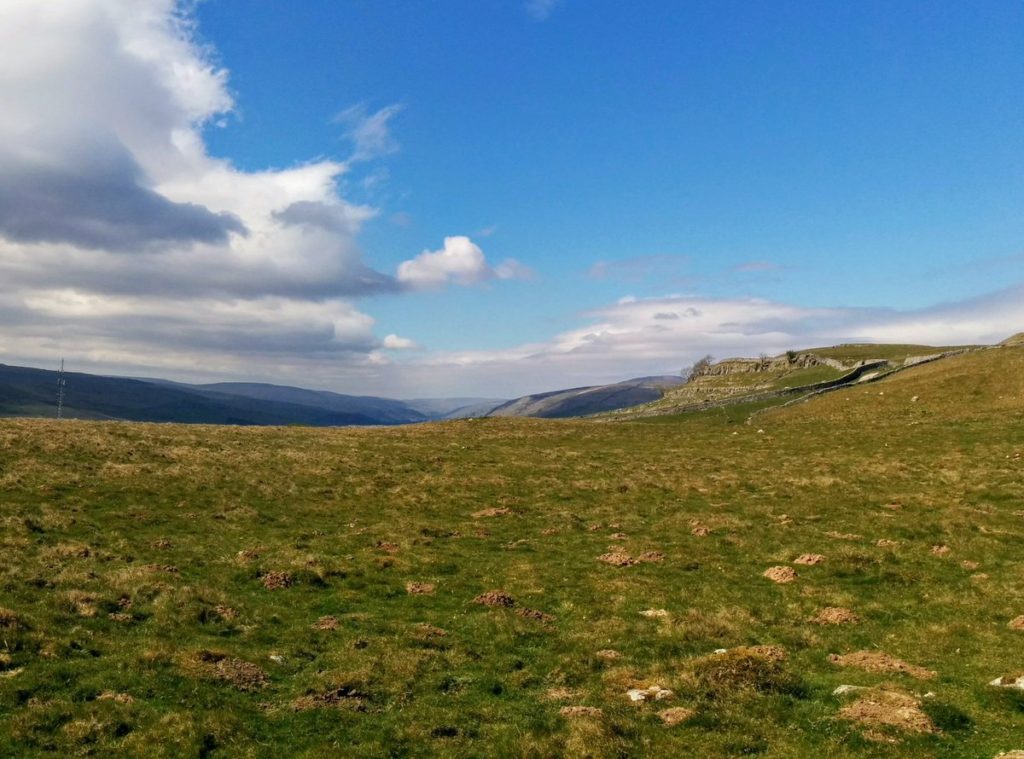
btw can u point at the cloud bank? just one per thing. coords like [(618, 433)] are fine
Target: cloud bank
[(120, 236)]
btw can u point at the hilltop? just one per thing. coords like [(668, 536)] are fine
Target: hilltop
[(837, 577)]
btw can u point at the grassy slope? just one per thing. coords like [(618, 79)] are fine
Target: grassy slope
[(86, 506)]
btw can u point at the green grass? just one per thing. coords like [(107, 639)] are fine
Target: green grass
[(893, 352), (135, 619)]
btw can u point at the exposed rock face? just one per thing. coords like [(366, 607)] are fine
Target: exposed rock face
[(765, 364)]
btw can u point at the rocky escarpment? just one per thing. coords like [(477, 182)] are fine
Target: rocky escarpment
[(785, 362)]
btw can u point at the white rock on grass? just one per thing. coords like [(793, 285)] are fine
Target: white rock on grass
[(1009, 682)]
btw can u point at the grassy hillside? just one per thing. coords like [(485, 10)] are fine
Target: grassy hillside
[(496, 587)]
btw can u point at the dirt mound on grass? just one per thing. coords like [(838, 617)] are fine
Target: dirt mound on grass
[(495, 598), (1017, 623), (533, 614), (835, 615), (326, 623), (344, 696), (213, 665), (781, 575), (888, 709), (277, 580), (617, 558), (877, 661)]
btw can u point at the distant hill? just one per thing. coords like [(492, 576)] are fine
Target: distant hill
[(454, 408), (33, 392), (581, 401)]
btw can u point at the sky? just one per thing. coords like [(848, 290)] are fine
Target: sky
[(498, 197)]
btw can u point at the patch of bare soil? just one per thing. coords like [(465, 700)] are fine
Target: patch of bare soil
[(225, 612), (618, 536), (550, 531), (241, 674), (162, 544), (651, 557), (676, 715), (969, 565), (888, 709), (492, 512), (420, 588), (886, 543), (276, 580), (809, 559), (495, 598), (1017, 623), (327, 622), (608, 654), (835, 615), (842, 535), (701, 531), (344, 696), (781, 575), (877, 661), (1011, 755), (617, 558), (247, 555), (580, 711), (533, 614), (387, 547), (940, 550), (893, 506)]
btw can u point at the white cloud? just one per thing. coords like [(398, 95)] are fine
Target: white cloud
[(394, 342), (370, 133), (460, 261)]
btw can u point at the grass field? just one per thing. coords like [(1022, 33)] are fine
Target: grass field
[(496, 587)]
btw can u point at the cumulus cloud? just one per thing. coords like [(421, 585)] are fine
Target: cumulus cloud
[(460, 261), (120, 235), (394, 342)]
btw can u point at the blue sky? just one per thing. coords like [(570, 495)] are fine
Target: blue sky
[(856, 167)]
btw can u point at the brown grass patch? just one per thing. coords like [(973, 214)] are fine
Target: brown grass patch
[(886, 543), (120, 698), (492, 512), (420, 588), (809, 559), (429, 631), (877, 661), (842, 535), (835, 615), (10, 620), (651, 557), (889, 709), (781, 575), (608, 654), (344, 696), (561, 694), (941, 550), (1017, 623), (387, 547), (495, 598), (574, 712), (225, 612), (676, 715)]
